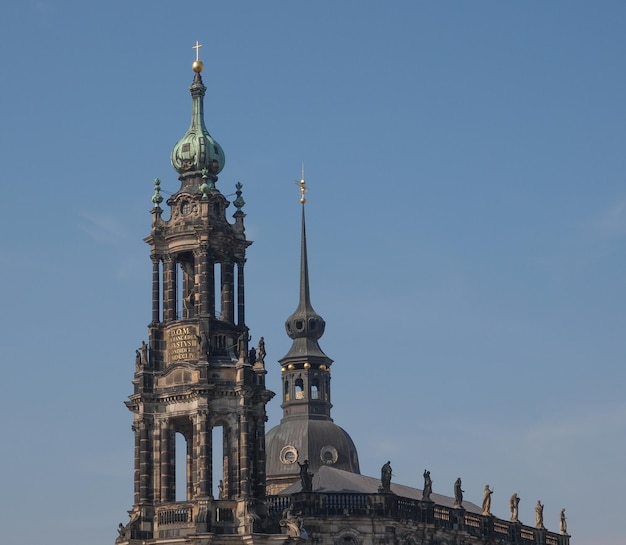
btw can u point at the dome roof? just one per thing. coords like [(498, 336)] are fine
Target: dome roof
[(321, 442), (197, 150)]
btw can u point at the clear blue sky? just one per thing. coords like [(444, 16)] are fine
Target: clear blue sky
[(466, 220)]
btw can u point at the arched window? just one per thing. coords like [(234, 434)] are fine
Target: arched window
[(218, 462), (299, 389), (347, 539), (181, 472), (315, 389)]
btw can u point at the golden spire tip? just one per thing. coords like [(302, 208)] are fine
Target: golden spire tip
[(303, 188)]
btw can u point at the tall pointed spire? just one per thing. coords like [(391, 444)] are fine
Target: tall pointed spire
[(305, 297), (305, 326)]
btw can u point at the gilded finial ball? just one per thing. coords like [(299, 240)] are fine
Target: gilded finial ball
[(307, 365), (291, 367), (197, 66)]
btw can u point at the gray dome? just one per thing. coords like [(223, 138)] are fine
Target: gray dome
[(321, 442)]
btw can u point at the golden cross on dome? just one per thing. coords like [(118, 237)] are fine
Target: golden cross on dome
[(197, 48)]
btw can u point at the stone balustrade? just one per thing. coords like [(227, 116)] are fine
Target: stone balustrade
[(405, 510)]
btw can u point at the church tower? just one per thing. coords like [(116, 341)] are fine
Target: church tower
[(306, 435), (199, 386), (199, 389)]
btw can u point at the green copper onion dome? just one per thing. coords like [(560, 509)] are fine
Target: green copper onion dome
[(197, 150)]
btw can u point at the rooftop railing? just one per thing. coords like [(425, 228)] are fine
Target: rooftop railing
[(486, 527)]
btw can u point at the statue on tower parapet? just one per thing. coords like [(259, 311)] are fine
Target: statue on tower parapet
[(204, 343), (260, 351), (242, 344), (144, 353)]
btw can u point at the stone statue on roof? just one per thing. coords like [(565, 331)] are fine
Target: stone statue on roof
[(563, 523), (539, 516), (306, 478), (428, 486), (514, 506), (487, 500), (385, 477), (458, 493)]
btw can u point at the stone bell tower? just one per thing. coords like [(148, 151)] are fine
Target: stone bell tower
[(197, 382)]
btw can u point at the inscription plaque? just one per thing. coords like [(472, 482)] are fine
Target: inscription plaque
[(182, 343)]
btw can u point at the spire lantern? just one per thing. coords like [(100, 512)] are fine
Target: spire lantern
[(305, 322)]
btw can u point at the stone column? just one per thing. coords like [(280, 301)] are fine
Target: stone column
[(202, 455), (228, 305), (209, 457), (164, 463), (210, 283), (189, 294), (241, 306), (144, 462), (190, 464), (137, 462), (169, 288), (171, 462), (156, 285), (156, 461), (244, 461), (202, 288), (260, 455), (229, 455)]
